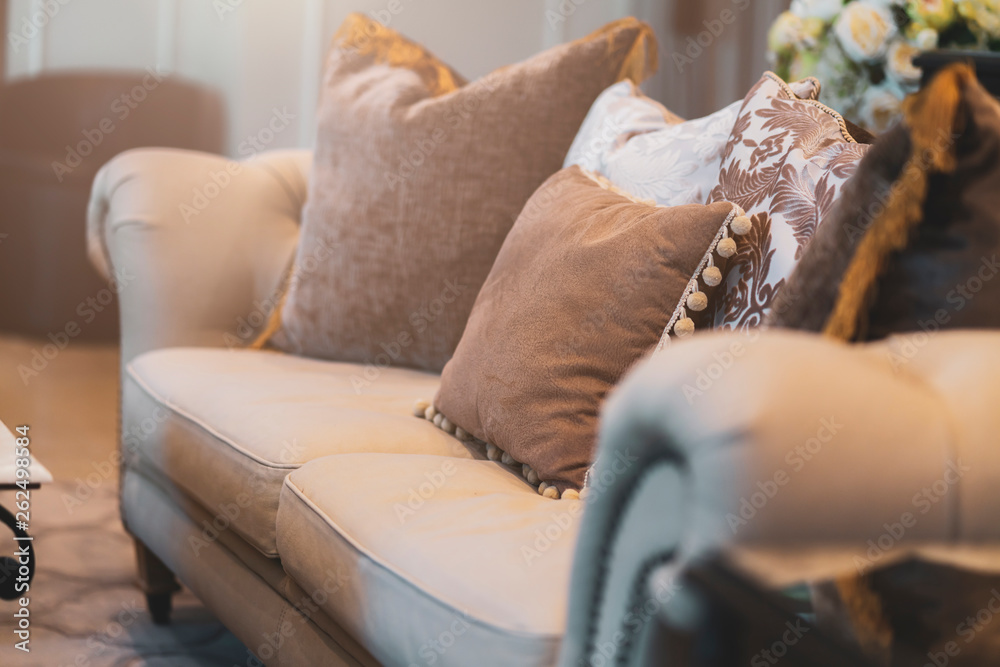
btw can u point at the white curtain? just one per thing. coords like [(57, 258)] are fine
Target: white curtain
[(720, 48)]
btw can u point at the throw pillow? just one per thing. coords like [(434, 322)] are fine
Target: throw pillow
[(418, 177), (785, 163), (644, 149), (914, 243), (619, 113), (585, 285)]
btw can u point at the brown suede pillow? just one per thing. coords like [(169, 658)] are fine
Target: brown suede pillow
[(584, 286), (914, 243), (418, 177)]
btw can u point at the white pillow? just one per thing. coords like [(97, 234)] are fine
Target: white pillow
[(642, 148), (618, 113)]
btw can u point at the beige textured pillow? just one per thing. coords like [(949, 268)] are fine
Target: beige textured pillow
[(584, 286), (418, 177)]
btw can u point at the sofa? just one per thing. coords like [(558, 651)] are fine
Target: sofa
[(324, 524)]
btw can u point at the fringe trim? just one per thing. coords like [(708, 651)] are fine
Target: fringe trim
[(368, 37), (815, 103), (927, 114), (274, 321), (680, 324), (426, 410), (643, 59)]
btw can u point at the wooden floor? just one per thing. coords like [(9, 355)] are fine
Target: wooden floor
[(83, 600)]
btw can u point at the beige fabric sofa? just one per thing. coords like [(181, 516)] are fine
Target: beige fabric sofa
[(325, 525), (398, 544)]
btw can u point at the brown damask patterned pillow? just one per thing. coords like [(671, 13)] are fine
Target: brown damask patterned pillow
[(914, 244), (418, 176), (786, 162)]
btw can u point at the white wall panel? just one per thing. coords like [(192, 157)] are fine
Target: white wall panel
[(263, 55), (108, 34)]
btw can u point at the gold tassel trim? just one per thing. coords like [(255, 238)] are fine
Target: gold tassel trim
[(368, 37), (274, 320), (930, 115), (642, 59)]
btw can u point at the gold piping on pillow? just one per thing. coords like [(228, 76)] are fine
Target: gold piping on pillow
[(642, 60), (368, 37)]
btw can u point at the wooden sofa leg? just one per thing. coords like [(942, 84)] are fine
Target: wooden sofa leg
[(157, 582)]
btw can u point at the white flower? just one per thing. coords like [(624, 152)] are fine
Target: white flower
[(790, 33), (984, 15), (825, 10), (785, 34), (864, 30), (926, 39), (899, 64), (880, 106)]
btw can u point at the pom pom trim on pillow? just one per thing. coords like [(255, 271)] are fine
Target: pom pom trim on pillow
[(707, 272)]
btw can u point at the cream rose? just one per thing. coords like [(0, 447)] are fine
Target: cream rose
[(924, 39), (864, 30), (786, 33), (899, 63), (937, 14), (984, 15), (880, 106)]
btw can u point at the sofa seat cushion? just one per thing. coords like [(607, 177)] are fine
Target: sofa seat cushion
[(447, 561), (226, 426)]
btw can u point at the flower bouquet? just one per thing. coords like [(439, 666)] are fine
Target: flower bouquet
[(862, 51)]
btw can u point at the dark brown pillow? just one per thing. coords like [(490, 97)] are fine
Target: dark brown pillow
[(914, 242), (585, 285), (418, 177)]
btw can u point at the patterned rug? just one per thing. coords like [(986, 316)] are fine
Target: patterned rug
[(85, 610)]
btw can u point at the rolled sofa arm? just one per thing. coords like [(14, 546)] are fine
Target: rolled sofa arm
[(789, 445), (197, 245)]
